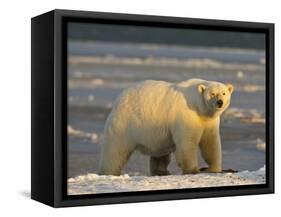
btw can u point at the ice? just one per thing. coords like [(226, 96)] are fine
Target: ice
[(95, 184), (80, 134), (261, 145), (240, 74), (200, 63)]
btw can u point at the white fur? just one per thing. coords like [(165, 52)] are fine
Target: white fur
[(158, 118)]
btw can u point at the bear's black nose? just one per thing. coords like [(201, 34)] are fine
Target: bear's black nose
[(219, 103)]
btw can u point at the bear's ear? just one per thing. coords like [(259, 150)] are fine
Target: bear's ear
[(230, 88), (201, 88)]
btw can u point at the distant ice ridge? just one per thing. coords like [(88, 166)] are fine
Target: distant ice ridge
[(166, 62), (94, 184)]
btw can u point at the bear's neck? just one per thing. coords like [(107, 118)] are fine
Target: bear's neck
[(204, 111), (211, 114)]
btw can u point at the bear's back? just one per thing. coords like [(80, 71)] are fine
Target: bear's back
[(145, 99), (148, 102)]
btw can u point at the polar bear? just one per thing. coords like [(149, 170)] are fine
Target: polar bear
[(160, 118)]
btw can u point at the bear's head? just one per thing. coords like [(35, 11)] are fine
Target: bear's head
[(216, 96)]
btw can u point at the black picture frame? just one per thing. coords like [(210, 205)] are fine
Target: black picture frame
[(49, 108)]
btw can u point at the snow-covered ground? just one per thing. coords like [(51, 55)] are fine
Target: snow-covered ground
[(94, 184)]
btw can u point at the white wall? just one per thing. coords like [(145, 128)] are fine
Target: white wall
[(15, 105)]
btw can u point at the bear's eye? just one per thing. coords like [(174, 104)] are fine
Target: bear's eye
[(223, 93), (213, 94)]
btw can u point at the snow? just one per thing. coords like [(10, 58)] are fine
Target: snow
[(261, 145), (80, 134), (94, 184), (248, 116), (240, 75)]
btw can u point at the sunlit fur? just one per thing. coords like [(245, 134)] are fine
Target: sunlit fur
[(159, 118)]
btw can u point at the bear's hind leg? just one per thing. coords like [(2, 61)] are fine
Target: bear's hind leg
[(113, 158), (159, 165)]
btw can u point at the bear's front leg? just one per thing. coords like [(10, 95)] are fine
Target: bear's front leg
[(210, 146), (187, 152)]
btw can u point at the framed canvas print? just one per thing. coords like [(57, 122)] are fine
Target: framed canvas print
[(133, 108)]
